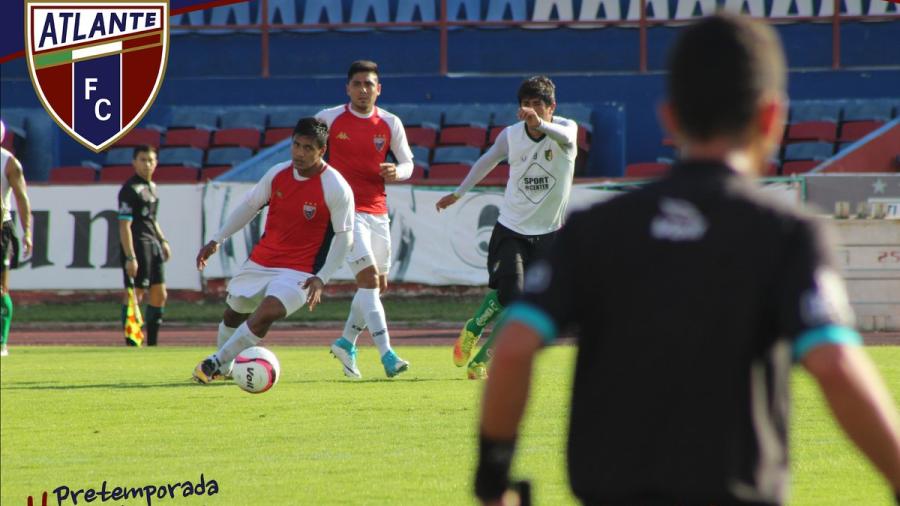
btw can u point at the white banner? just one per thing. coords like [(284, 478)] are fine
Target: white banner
[(76, 238)]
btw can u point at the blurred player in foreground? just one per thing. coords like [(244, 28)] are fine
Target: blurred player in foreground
[(13, 182), (360, 137), (541, 150), (309, 230), (144, 247), (691, 299)]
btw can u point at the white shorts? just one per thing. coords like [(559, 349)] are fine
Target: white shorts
[(371, 243), (254, 282)]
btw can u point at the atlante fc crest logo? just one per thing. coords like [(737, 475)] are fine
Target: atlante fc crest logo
[(96, 65)]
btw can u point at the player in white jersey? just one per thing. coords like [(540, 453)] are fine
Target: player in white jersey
[(12, 181), (541, 150)]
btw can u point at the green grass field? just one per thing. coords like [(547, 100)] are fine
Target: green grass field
[(77, 416)]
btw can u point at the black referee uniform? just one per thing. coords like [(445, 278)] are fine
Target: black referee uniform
[(138, 203), (691, 298)]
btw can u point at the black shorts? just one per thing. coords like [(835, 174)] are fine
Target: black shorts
[(151, 270), (510, 253), (10, 246)]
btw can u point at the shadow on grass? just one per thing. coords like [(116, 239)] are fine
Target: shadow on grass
[(35, 385)]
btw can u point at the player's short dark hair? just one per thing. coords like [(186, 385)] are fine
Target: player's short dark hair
[(538, 87), (719, 70), (312, 127), (144, 148), (362, 66)]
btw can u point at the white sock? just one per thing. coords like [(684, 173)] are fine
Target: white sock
[(373, 312), (238, 342), (356, 323), (221, 338)]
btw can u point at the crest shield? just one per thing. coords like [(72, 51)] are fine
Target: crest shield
[(96, 66), (309, 211)]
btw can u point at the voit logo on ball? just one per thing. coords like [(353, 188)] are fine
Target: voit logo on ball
[(96, 66)]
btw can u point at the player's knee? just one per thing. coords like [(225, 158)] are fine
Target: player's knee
[(232, 318), (509, 288), (367, 278)]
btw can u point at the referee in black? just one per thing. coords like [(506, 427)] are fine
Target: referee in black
[(144, 247), (691, 298)]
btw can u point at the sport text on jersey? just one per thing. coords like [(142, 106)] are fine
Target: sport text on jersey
[(96, 65)]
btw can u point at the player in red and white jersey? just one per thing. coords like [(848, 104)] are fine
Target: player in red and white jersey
[(361, 135), (309, 230)]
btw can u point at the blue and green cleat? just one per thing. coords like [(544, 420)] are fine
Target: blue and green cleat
[(393, 365), (345, 351)]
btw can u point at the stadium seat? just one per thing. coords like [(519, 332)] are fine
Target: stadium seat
[(455, 155), (492, 135), (418, 174), (498, 176), (421, 156), (583, 138), (815, 111), (208, 173), (879, 110), (118, 156), (579, 113), (140, 136), (421, 136), (808, 151), (497, 10), (194, 137), (228, 155), (194, 117), (244, 118), (646, 169), (175, 174), (117, 174), (62, 175), (798, 167), (505, 116), (187, 157), (855, 130), (288, 117), (464, 135), (450, 173), (811, 131), (244, 137), (276, 135), (422, 116), (467, 115)]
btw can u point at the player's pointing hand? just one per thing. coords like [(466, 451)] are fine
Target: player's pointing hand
[(205, 252)]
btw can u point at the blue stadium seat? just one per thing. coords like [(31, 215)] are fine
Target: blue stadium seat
[(815, 111), (244, 118), (15, 120), (420, 156), (228, 156), (506, 115), (808, 151), (497, 10), (467, 114), (118, 156), (456, 154), (188, 157), (424, 115), (581, 113), (287, 117), (206, 118), (868, 110)]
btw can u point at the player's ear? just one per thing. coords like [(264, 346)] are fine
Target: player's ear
[(667, 119), (771, 115)]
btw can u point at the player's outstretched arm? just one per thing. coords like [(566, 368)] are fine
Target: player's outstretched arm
[(861, 404)]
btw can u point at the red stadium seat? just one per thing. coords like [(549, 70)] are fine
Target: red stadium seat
[(418, 174), (811, 131), (495, 131), (62, 175), (208, 173), (9, 142), (449, 173), (175, 174), (421, 136), (275, 135), (243, 137), (798, 167), (116, 173), (465, 135), (856, 130), (497, 177), (668, 142), (646, 169), (193, 137), (583, 139), (140, 136)]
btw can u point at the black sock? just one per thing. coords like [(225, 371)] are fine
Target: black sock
[(153, 318)]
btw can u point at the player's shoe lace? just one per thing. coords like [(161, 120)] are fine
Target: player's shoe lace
[(345, 351), (207, 370), (393, 365), (465, 343)]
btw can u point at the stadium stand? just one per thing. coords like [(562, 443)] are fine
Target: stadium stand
[(175, 174), (811, 131), (116, 174), (467, 115), (421, 156), (227, 156), (208, 173), (276, 135), (463, 135), (244, 118), (455, 155), (194, 117), (185, 156), (119, 156), (140, 136), (808, 151), (243, 137), (421, 136), (646, 169), (193, 137), (855, 130), (67, 175)]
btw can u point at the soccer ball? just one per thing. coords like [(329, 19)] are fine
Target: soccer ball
[(256, 370)]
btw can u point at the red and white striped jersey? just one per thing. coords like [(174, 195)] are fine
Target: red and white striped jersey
[(357, 144)]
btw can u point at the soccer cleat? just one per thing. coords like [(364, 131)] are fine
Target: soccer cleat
[(465, 343), (207, 370), (477, 371), (343, 350), (393, 365), (4, 351)]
